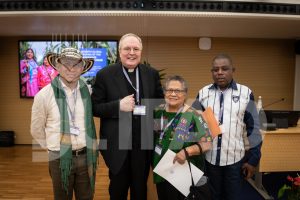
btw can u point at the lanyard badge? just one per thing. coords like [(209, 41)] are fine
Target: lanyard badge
[(158, 147)]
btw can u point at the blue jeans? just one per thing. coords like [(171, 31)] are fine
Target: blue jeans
[(225, 181)]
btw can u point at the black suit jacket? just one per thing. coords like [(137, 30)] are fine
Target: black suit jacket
[(115, 126)]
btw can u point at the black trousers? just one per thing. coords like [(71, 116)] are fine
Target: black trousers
[(133, 174), (166, 191), (225, 181)]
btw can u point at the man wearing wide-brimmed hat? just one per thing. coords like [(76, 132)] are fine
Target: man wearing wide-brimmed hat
[(62, 122)]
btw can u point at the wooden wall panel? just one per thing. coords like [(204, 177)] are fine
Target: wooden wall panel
[(14, 111), (266, 65)]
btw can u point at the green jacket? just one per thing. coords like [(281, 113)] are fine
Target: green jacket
[(187, 128)]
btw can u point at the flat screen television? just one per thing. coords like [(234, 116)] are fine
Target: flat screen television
[(34, 73), (282, 118)]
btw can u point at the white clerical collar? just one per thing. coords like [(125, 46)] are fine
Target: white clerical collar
[(129, 70)]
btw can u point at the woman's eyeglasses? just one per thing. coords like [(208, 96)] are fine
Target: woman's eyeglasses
[(176, 91)]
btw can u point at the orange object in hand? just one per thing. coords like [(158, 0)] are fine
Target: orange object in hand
[(211, 121)]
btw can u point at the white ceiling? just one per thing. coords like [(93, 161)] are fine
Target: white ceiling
[(149, 23)]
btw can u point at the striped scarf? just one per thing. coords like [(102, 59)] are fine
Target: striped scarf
[(65, 142)]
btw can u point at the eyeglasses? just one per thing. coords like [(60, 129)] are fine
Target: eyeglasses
[(129, 49), (176, 91)]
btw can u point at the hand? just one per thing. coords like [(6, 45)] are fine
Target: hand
[(205, 144), (26, 63), (180, 157), (127, 103), (248, 170)]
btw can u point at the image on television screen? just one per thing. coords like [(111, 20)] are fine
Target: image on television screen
[(35, 72)]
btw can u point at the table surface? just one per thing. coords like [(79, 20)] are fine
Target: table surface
[(290, 130), (280, 150)]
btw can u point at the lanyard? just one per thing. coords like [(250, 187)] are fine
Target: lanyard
[(71, 113), (221, 108), (136, 81), (222, 93), (163, 130)]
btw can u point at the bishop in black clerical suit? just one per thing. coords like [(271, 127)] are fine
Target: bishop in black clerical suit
[(122, 97)]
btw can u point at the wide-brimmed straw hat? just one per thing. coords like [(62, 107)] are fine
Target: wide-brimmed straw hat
[(71, 54)]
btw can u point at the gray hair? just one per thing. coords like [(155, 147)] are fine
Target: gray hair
[(176, 78), (130, 35)]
